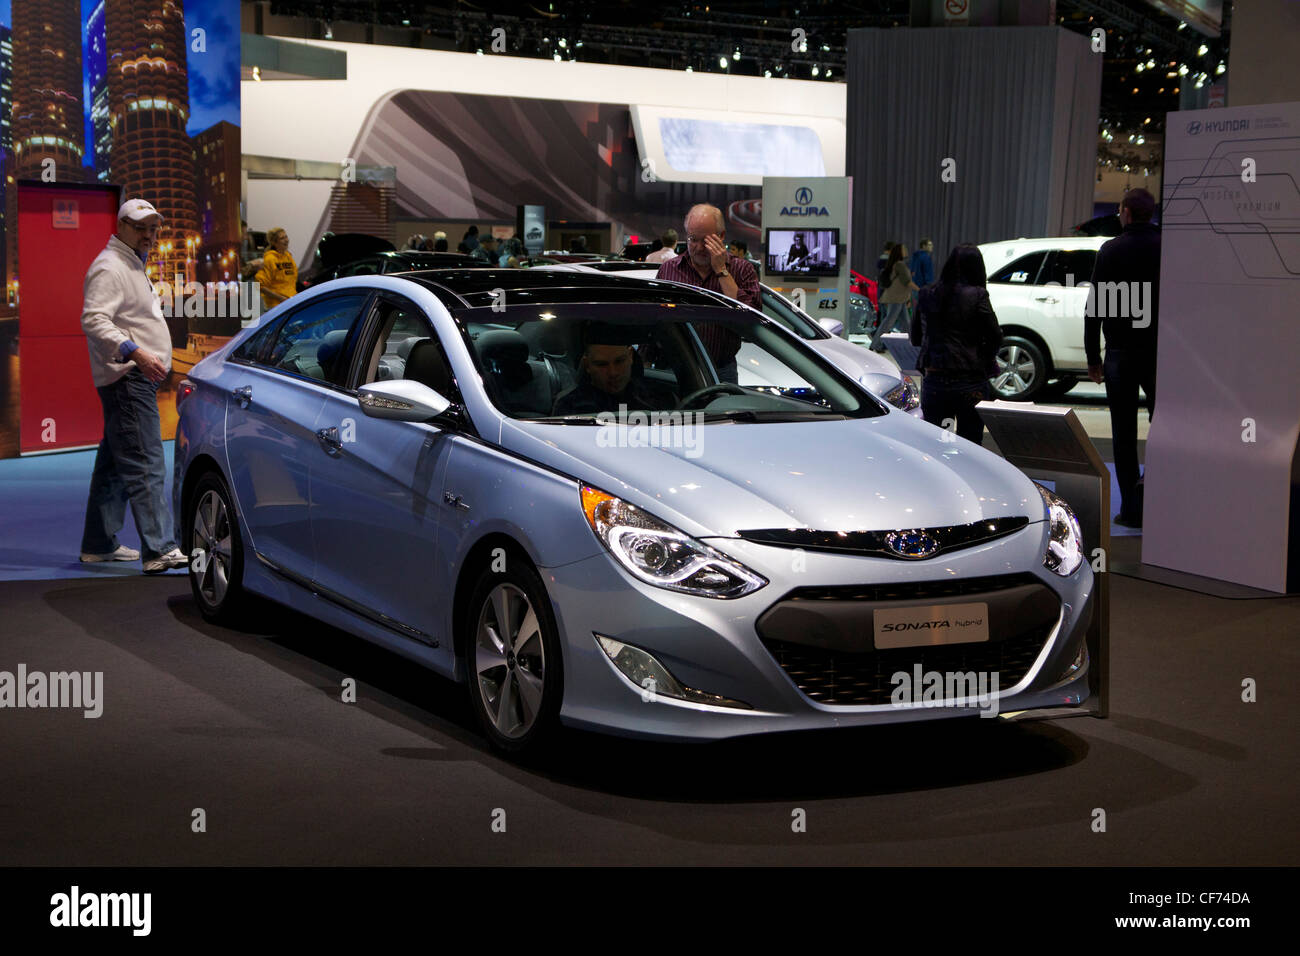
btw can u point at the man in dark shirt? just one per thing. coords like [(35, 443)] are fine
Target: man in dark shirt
[(1123, 303), (611, 376), (707, 264)]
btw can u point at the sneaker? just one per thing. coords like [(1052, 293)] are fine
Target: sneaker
[(123, 553), (166, 562)]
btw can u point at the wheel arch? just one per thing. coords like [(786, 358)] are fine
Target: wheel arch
[(480, 555)]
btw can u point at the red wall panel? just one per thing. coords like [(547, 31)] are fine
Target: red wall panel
[(56, 382)]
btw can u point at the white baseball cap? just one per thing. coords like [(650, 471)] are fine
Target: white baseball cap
[(136, 210)]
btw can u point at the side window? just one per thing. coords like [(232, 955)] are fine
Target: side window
[(256, 343), (313, 340), (1070, 266), (408, 349), (1023, 271)]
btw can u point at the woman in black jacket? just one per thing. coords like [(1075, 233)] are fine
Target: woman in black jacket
[(959, 338)]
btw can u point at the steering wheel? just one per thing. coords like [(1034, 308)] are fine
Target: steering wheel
[(728, 387)]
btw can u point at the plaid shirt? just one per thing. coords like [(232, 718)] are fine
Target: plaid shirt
[(721, 342)]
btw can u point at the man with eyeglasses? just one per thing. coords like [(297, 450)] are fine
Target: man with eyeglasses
[(130, 356), (706, 263)]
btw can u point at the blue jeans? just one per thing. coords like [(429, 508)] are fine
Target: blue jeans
[(894, 312), (129, 466)]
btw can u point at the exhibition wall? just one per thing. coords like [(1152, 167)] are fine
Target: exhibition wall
[(934, 150), (500, 109)]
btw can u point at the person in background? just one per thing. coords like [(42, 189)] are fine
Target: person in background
[(883, 259), (578, 244), (707, 264), (668, 250), (921, 264), (487, 250), (130, 356), (1131, 257), (738, 249), (959, 338), (470, 239), (896, 297), (278, 276), (439, 241)]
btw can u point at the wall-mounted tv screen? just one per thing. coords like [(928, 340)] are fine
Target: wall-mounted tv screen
[(803, 252)]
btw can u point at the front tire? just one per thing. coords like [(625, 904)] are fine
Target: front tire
[(1022, 370), (512, 656), (216, 552)]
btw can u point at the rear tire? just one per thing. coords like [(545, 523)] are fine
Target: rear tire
[(216, 553), (1022, 370), (513, 668)]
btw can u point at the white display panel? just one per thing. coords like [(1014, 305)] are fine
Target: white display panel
[(758, 149)]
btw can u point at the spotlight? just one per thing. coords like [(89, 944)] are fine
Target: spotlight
[(722, 62), (816, 70), (563, 43), (1219, 70), (1182, 69), (556, 58), (1140, 67), (736, 56), (767, 74), (1202, 50)]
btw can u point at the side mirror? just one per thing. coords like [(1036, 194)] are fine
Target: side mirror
[(833, 326), (401, 400)]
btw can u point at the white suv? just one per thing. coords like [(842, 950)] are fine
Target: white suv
[(1042, 324)]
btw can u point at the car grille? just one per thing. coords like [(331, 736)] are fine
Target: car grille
[(844, 679), (820, 662), (877, 543)]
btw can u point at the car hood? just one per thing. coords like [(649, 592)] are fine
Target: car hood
[(882, 473), (863, 365)]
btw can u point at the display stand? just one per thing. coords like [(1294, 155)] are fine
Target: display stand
[(1049, 443)]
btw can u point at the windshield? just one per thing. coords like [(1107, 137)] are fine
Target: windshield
[(775, 307), (572, 363)]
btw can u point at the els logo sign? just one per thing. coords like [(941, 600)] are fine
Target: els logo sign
[(803, 198)]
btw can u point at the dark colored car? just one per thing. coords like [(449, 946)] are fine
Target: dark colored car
[(385, 263)]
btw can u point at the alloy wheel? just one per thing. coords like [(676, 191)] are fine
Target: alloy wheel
[(1017, 371), (510, 661), (211, 539)]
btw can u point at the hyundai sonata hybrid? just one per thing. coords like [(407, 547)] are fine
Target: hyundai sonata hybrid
[(537, 484)]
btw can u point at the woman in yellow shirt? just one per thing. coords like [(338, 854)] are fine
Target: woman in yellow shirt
[(278, 276)]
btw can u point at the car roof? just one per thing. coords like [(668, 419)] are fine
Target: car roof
[(1033, 245), (475, 288)]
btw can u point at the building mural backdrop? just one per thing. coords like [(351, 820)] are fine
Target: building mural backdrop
[(139, 94)]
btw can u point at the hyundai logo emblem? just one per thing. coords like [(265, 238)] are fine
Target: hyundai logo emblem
[(912, 544), (1194, 127), (803, 196)]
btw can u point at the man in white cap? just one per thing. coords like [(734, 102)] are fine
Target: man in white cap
[(130, 356)]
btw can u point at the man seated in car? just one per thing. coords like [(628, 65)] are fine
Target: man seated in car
[(611, 374)]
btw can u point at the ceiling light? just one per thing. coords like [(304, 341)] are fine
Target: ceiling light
[(816, 70), (722, 62), (1182, 69), (1202, 50), (1219, 70), (563, 43), (556, 58), (1140, 67), (767, 74)]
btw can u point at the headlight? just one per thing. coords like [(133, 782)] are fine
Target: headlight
[(659, 554), (1064, 551), (904, 395)]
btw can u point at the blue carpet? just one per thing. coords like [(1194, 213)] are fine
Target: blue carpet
[(42, 511)]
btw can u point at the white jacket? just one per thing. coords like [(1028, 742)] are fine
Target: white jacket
[(120, 304)]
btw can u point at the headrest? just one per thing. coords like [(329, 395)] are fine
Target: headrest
[(502, 346), (330, 345)]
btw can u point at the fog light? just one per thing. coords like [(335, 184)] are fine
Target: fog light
[(647, 673), (1080, 661)]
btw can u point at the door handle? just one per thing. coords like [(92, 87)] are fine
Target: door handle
[(1047, 298), (329, 439), (243, 395)]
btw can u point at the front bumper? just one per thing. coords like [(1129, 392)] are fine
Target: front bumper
[(719, 647)]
